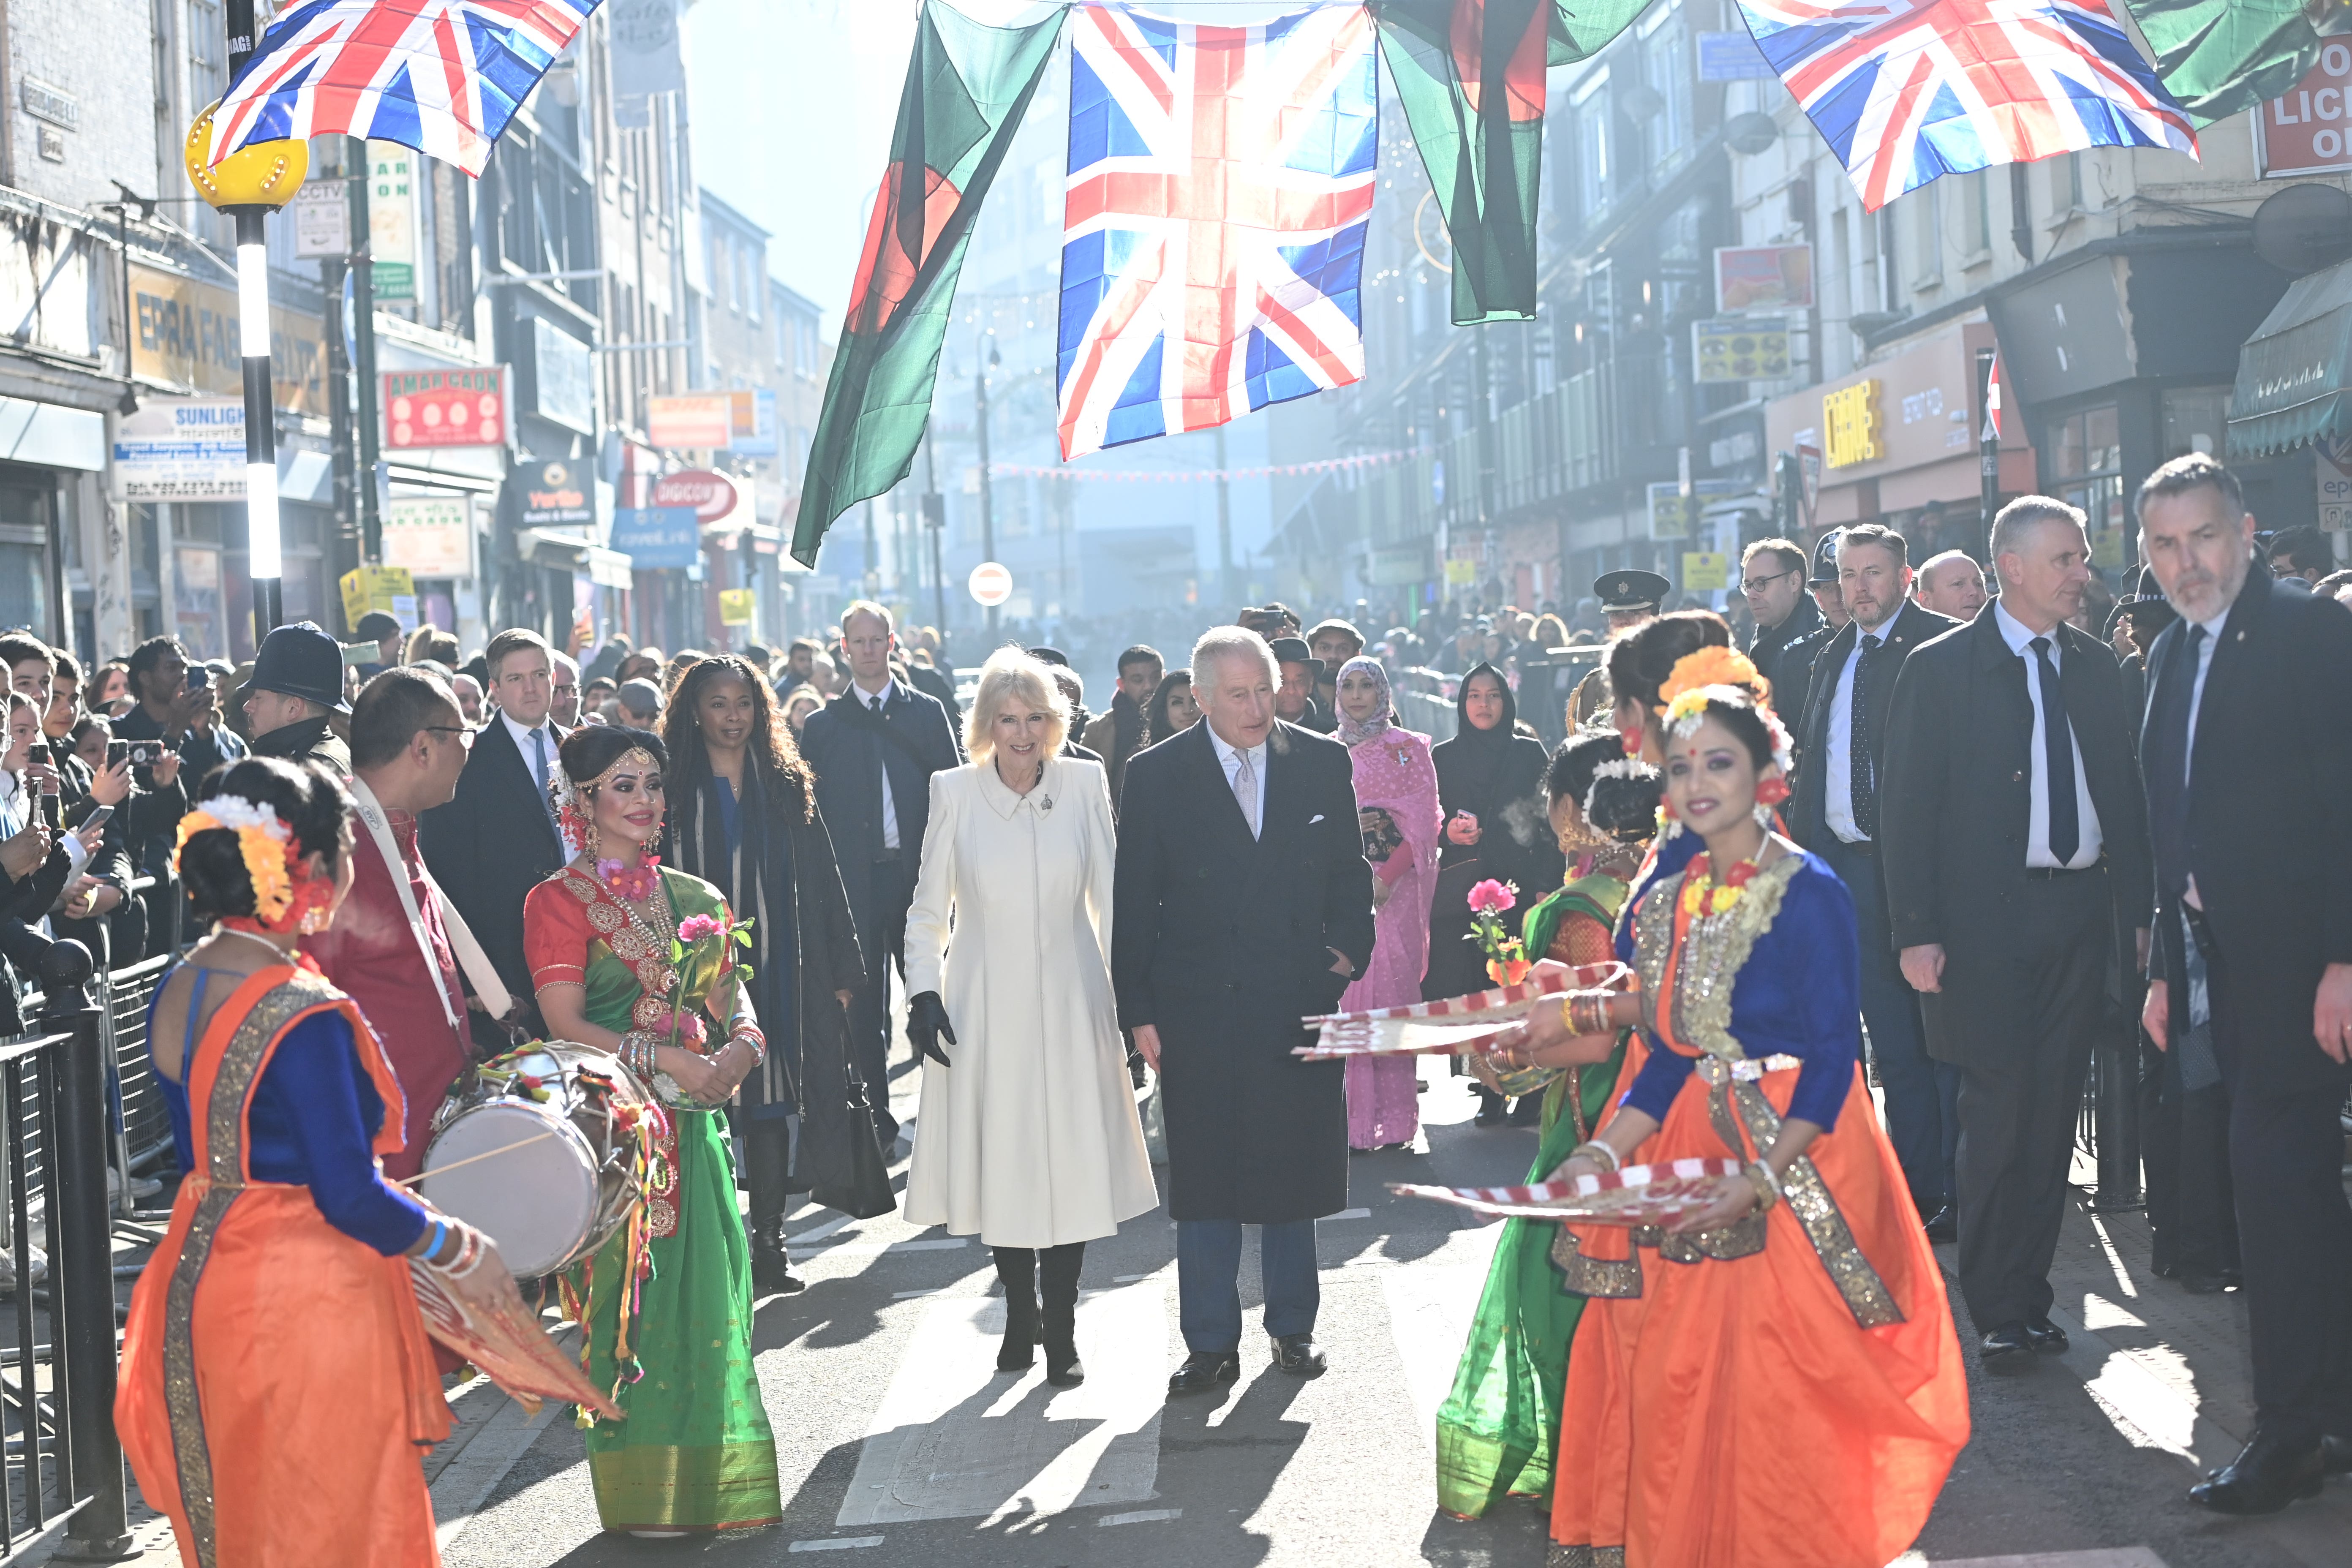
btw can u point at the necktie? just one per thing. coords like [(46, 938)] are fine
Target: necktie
[(1245, 789), (2167, 761), (2058, 758), (1861, 780), (538, 773)]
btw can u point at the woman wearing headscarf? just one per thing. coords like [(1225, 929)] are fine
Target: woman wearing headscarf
[(1490, 789), (1396, 806)]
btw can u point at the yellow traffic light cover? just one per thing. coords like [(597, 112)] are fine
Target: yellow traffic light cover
[(264, 175)]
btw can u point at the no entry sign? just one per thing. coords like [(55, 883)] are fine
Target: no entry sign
[(991, 584)]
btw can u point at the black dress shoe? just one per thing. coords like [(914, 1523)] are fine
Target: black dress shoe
[(771, 1267), (2046, 1337), (2335, 1455), (2199, 1280), (2267, 1475), (1204, 1371), (2007, 1349), (1943, 1225), (1062, 1367), (1298, 1356)]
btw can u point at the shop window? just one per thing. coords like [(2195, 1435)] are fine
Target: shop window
[(2196, 419), (197, 601), (2086, 457)]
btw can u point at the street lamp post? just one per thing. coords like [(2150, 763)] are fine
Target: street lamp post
[(935, 518), (987, 497)]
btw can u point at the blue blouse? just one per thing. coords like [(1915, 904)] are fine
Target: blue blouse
[(311, 1123), (1799, 995)]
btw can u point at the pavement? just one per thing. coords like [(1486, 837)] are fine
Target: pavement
[(899, 1444)]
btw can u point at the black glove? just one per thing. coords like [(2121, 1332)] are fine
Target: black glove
[(927, 1022)]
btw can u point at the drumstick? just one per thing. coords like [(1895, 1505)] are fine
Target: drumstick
[(487, 1154)]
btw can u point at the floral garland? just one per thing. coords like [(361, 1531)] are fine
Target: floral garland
[(269, 848), (1704, 897)]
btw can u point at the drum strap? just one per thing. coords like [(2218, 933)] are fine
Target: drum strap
[(468, 953)]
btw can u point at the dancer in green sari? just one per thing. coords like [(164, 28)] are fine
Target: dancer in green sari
[(1499, 1427), (668, 1302)]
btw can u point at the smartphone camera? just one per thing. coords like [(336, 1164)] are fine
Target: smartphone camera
[(117, 754)]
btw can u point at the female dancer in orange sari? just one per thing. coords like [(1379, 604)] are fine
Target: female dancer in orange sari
[(1778, 1384), (277, 1389)]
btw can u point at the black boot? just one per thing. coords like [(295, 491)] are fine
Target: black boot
[(771, 1270), (1060, 1321), (1016, 1266)]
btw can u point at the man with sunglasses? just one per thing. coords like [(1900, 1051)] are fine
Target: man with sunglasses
[(1772, 576)]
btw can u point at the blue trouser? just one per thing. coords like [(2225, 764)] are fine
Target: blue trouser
[(1923, 1095), (1208, 1289)]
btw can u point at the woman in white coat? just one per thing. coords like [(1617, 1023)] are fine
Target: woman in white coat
[(1029, 1136)]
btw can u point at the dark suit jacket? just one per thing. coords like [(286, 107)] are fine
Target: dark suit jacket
[(1910, 626), (840, 743), (1222, 941), (492, 845), (2270, 824), (1954, 805)]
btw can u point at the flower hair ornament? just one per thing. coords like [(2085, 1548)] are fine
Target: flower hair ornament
[(285, 898), (574, 811), (1715, 667), (1633, 768)]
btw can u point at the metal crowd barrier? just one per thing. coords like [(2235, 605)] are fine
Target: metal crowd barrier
[(1424, 701)]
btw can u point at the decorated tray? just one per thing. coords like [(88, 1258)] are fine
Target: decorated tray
[(1455, 1026), (1636, 1196), (509, 1346)]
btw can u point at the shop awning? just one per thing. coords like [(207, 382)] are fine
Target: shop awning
[(609, 568), (2292, 372)]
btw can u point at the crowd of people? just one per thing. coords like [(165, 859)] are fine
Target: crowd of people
[(1967, 825)]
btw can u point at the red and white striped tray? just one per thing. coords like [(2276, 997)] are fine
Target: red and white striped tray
[(1453, 1025), (1638, 1195)]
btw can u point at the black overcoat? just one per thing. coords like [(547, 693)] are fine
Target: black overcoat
[(1908, 627), (1223, 943), (492, 845), (844, 743), (1954, 814)]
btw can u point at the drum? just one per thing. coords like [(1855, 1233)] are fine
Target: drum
[(539, 1149)]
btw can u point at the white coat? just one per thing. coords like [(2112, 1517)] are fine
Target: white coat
[(1031, 1137)]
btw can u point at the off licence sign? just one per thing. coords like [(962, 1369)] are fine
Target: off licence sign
[(2307, 130), (445, 407)]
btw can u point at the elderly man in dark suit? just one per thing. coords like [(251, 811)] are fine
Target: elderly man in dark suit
[(2247, 747), (497, 838), (875, 747), (2015, 839), (1835, 813), (1241, 902)]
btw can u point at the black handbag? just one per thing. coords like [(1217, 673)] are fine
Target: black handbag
[(868, 1192)]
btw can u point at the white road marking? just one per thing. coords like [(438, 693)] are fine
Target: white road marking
[(1430, 1308), (2106, 1557), (1348, 1214), (1141, 1516), (875, 1248), (836, 1544), (954, 1439), (817, 1233)]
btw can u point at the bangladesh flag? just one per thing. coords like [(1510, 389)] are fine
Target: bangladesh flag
[(2218, 57), (967, 88), (1483, 148)]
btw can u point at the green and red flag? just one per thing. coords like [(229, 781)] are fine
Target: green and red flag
[(1470, 74), (967, 85), (2219, 57)]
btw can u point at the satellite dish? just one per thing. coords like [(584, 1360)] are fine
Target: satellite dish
[(1750, 133), (2303, 228)]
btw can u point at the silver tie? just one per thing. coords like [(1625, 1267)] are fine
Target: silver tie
[(1245, 789)]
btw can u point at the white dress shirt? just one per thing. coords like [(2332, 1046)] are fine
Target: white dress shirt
[(876, 701), (1230, 759), (522, 733), (2019, 638), (1837, 766)]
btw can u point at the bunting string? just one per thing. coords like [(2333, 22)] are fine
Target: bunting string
[(1194, 476)]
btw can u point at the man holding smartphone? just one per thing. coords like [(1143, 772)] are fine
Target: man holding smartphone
[(176, 722)]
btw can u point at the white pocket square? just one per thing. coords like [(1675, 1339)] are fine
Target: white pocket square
[(1314, 819)]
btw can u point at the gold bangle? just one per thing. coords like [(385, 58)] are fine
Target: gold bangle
[(1568, 1012), (1600, 1152), (1768, 1191)]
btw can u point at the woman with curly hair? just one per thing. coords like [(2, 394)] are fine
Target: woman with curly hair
[(744, 817)]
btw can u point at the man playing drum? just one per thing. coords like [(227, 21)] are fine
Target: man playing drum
[(391, 949)]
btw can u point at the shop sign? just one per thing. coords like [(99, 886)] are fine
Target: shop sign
[(185, 333), (707, 495), (1856, 433), (1461, 571), (555, 495), (1732, 57), (691, 421), (1763, 277), (445, 407), (181, 448), (1705, 571), (391, 220), (2307, 130), (658, 536), (734, 607), (1732, 349), (432, 536), (753, 423), (1674, 515), (391, 589), (2332, 467)]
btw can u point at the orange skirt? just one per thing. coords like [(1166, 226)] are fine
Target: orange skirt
[(315, 1384), (1735, 1413)]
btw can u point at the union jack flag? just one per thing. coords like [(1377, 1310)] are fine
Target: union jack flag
[(1220, 185), (1905, 91), (441, 75)]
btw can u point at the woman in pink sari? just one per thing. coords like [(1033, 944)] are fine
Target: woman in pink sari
[(1396, 803)]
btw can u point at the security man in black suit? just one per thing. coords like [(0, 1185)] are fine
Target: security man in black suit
[(1835, 813), (873, 748), (1792, 672), (497, 838), (2246, 750), (1241, 902), (2015, 837)]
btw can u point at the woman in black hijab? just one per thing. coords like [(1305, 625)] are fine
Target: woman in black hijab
[(1490, 789)]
